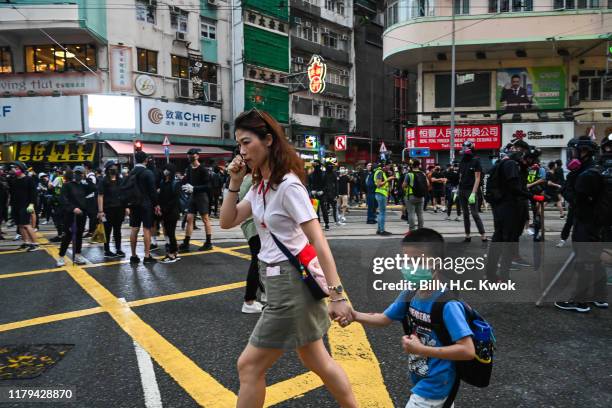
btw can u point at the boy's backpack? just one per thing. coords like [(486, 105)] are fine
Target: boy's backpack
[(418, 183), (602, 203), (130, 190), (493, 191), (476, 372)]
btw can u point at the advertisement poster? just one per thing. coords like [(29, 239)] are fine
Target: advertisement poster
[(438, 137), (524, 89)]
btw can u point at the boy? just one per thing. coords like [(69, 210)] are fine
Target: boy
[(431, 364)]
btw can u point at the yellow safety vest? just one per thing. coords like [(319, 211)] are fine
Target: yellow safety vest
[(384, 190)]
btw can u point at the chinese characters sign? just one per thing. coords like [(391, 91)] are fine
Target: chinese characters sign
[(317, 70), (121, 68), (68, 83), (56, 153), (438, 137), (179, 119)]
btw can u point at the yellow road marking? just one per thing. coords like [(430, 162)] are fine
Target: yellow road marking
[(188, 294), (30, 273), (292, 388), (200, 385), (50, 318), (351, 349)]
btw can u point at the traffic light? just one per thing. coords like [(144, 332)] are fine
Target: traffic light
[(137, 146)]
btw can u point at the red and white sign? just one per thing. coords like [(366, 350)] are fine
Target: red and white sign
[(383, 148), (340, 143), (166, 141), (411, 137), (438, 137)]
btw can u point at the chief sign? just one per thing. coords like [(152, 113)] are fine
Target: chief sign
[(317, 70), (340, 143)]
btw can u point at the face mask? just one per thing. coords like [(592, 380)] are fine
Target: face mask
[(417, 275), (166, 173), (78, 177), (112, 172), (517, 156), (192, 159), (18, 172), (574, 164)]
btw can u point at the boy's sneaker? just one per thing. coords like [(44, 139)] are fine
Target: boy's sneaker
[(79, 259), (60, 262), (254, 307), (134, 260), (120, 254), (149, 260), (600, 305), (45, 222), (573, 306), (561, 243), (110, 254)]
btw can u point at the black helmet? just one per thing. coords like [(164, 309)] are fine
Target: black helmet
[(606, 143), (585, 143), (468, 147), (109, 164), (20, 164)]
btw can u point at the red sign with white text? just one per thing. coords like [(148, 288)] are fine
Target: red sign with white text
[(438, 137)]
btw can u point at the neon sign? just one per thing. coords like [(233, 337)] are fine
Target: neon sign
[(317, 70)]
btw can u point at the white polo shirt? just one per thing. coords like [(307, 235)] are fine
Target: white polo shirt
[(286, 207)]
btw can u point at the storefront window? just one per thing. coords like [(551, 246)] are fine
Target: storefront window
[(180, 67), (45, 58), (6, 60), (147, 60)]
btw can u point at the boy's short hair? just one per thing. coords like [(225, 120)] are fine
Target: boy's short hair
[(428, 236)]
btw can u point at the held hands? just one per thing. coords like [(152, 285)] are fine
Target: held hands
[(472, 198), (237, 168), (411, 344), (187, 188), (341, 312)]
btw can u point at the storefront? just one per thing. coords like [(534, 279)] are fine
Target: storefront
[(550, 137), (486, 139)]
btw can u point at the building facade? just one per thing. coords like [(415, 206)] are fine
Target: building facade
[(531, 69)]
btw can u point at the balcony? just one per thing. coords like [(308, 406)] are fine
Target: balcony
[(334, 125), (337, 90), (305, 8), (314, 48), (415, 40)]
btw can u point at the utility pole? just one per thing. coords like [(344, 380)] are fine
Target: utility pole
[(453, 86), (371, 117)]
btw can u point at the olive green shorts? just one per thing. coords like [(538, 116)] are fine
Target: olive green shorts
[(292, 317)]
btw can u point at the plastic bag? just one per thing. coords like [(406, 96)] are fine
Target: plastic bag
[(315, 204), (99, 237)]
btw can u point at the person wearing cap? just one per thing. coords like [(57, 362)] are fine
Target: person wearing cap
[(142, 213), (197, 182), (111, 210), (22, 190), (91, 210), (74, 205), (470, 171)]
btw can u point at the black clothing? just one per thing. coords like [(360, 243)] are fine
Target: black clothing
[(343, 185), (467, 171), (199, 178), (331, 185), (146, 184), (253, 281), (76, 222), (169, 199), (114, 219), (512, 181), (23, 191), (588, 186), (74, 195), (437, 186), (452, 178), (111, 191)]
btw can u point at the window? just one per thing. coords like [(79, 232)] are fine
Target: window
[(392, 14), (461, 6), (335, 111), (303, 106), (178, 19), (208, 29), (330, 39), (180, 67), (307, 32), (43, 58), (146, 10), (6, 60), (337, 76), (505, 6), (147, 60), (476, 93), (337, 6), (594, 86), (564, 4)]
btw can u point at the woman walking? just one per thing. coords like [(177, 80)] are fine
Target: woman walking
[(111, 210), (169, 201), (293, 318)]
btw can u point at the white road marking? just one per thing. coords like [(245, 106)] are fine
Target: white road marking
[(152, 396)]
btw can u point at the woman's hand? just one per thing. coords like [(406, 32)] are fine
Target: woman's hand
[(341, 312), (237, 168)]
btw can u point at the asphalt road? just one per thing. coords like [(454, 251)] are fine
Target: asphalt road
[(186, 317)]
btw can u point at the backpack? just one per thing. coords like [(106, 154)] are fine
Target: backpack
[(419, 183), (131, 195), (476, 372), (602, 204), (493, 191)]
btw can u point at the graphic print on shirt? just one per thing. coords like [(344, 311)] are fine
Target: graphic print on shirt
[(419, 365)]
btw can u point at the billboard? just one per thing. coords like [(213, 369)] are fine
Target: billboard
[(173, 118), (111, 113), (438, 137), (540, 134), (41, 114), (524, 89)]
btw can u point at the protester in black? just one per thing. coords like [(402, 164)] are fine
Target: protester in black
[(4, 197), (437, 190), (197, 182), (22, 190), (143, 213), (73, 201), (316, 184), (331, 190), (452, 185), (111, 210), (169, 201), (92, 205), (470, 172)]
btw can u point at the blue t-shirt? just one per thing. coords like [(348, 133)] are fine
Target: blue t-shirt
[(432, 377)]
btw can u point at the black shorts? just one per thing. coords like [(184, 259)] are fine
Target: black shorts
[(141, 215), (21, 216), (199, 204), (438, 193)]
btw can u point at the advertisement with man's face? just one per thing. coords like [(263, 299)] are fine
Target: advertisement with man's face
[(524, 89)]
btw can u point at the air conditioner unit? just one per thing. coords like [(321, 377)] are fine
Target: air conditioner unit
[(307, 24), (297, 20), (326, 31), (213, 2), (184, 89), (181, 36), (299, 60)]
